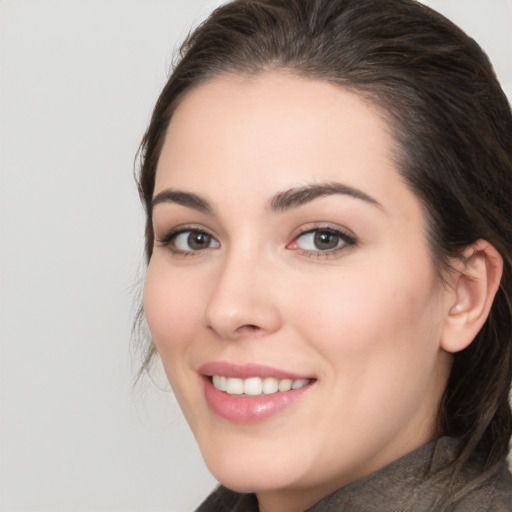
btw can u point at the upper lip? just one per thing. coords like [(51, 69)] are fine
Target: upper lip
[(247, 370)]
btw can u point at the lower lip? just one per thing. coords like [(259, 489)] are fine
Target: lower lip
[(250, 409)]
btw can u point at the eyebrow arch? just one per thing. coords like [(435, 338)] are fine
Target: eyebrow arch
[(298, 196), (187, 199)]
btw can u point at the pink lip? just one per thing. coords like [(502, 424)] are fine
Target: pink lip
[(248, 409), (245, 371)]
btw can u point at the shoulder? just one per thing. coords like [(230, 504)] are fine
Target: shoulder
[(491, 492)]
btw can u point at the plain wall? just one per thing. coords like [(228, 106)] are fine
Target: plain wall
[(78, 80)]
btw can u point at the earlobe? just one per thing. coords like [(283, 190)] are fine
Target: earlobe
[(476, 281)]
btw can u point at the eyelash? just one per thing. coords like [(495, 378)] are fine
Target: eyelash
[(170, 237), (345, 239)]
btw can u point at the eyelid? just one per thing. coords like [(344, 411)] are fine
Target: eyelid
[(171, 234), (346, 236)]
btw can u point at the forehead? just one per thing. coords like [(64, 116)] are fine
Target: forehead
[(273, 131)]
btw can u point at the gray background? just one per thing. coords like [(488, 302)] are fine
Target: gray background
[(78, 80)]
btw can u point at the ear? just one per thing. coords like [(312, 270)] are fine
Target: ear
[(475, 280)]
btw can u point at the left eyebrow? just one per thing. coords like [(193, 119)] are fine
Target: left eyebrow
[(184, 199), (298, 196)]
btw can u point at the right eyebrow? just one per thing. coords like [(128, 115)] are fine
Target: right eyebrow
[(184, 199), (298, 196)]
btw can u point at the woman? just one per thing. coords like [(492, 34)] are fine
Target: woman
[(327, 186)]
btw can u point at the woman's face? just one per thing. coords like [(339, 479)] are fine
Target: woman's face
[(289, 252)]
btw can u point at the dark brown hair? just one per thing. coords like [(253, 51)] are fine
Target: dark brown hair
[(453, 125)]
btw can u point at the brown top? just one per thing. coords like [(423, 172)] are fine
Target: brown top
[(417, 482)]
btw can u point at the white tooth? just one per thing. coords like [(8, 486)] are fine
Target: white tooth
[(219, 381), (285, 385), (253, 386), (270, 385), (296, 384), (234, 386), (223, 383)]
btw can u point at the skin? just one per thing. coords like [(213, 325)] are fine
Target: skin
[(368, 320)]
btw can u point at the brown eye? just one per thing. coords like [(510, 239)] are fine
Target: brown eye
[(321, 240), (324, 240), (198, 241), (193, 240)]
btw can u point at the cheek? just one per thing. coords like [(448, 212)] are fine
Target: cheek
[(171, 308), (385, 318), (378, 339)]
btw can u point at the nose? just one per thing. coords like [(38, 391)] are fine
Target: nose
[(243, 301)]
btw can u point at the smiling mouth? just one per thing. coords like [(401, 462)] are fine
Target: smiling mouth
[(251, 393), (256, 386)]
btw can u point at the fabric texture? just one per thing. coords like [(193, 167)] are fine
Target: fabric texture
[(416, 482)]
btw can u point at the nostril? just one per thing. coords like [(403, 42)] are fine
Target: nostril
[(248, 329)]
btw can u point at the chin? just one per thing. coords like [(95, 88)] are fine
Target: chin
[(254, 483), (253, 476)]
